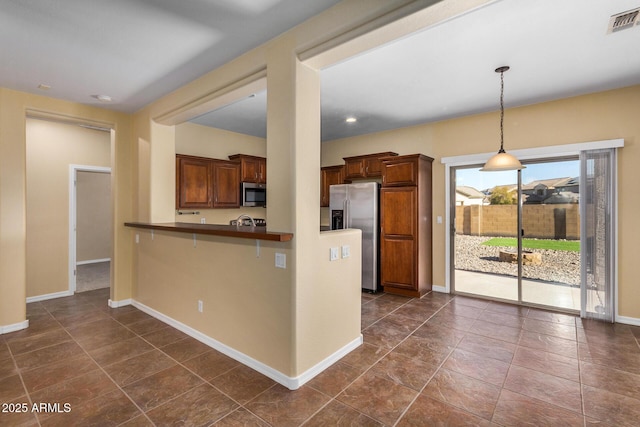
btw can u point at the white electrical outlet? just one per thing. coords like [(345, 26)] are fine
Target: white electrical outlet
[(281, 260), (200, 306), (333, 254), (346, 251), (439, 219), (137, 238), (203, 220)]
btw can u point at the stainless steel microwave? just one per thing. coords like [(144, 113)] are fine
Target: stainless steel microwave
[(253, 194)]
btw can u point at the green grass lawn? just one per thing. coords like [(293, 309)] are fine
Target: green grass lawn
[(556, 245)]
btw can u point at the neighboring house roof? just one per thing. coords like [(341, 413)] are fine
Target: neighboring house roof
[(469, 192), (548, 183), (562, 198)]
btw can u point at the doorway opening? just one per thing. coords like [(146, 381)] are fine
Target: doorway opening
[(536, 208), (90, 228)]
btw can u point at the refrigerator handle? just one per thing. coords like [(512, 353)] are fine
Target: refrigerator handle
[(345, 206)]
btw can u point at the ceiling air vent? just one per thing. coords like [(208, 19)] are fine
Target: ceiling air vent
[(624, 20)]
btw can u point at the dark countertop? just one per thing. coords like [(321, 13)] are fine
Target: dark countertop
[(243, 232)]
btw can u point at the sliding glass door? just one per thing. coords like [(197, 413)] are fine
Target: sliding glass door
[(544, 236), (517, 234), (550, 234), (485, 229)]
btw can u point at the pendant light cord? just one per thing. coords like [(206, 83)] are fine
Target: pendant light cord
[(501, 112)]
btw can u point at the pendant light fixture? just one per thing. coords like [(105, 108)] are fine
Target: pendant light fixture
[(502, 161)]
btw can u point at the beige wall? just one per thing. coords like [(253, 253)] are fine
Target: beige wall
[(14, 107), (247, 301), (600, 116), (51, 148), (93, 220), (198, 140)]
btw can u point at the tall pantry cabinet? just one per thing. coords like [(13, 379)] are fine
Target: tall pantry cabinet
[(406, 221)]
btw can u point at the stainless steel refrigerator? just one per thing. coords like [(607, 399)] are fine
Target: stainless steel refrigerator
[(357, 206)]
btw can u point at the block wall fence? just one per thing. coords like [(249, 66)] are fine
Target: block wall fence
[(560, 221)]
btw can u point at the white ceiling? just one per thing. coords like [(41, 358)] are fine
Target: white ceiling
[(137, 51), (134, 51)]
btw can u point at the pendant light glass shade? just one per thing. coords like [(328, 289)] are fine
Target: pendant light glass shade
[(502, 161)]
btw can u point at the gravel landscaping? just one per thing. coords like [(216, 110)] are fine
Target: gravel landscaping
[(557, 266)]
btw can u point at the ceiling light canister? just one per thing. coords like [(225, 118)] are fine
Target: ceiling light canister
[(102, 98), (502, 161), (351, 120)]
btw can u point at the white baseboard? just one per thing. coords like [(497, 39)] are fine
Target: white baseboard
[(45, 297), (442, 289), (628, 320), (292, 383), (121, 303), (309, 374), (93, 261), (5, 329)]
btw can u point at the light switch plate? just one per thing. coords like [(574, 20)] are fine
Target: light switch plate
[(333, 254), (281, 260), (346, 251)]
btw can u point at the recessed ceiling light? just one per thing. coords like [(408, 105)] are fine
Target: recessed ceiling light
[(351, 120), (43, 86), (102, 98)]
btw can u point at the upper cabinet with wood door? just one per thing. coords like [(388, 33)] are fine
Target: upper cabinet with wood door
[(329, 175), (193, 182), (367, 166), (226, 184), (405, 225), (252, 168), (204, 183)]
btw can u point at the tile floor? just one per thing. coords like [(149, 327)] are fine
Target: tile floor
[(439, 360)]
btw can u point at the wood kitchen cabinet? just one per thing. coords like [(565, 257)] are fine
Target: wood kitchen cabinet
[(193, 182), (252, 168), (367, 166), (226, 184), (206, 183), (405, 225), (329, 175)]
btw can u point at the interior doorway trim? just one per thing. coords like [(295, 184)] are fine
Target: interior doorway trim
[(73, 177), (552, 151)]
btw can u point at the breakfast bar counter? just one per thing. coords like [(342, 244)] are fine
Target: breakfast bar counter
[(243, 232)]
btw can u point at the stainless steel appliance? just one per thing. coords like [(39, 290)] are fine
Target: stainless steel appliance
[(357, 206), (253, 194)]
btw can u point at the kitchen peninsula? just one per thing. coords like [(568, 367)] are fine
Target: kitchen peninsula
[(258, 233)]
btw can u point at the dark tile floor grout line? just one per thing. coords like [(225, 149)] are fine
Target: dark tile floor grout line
[(112, 380), (153, 348), (332, 398), (158, 348), (24, 386)]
